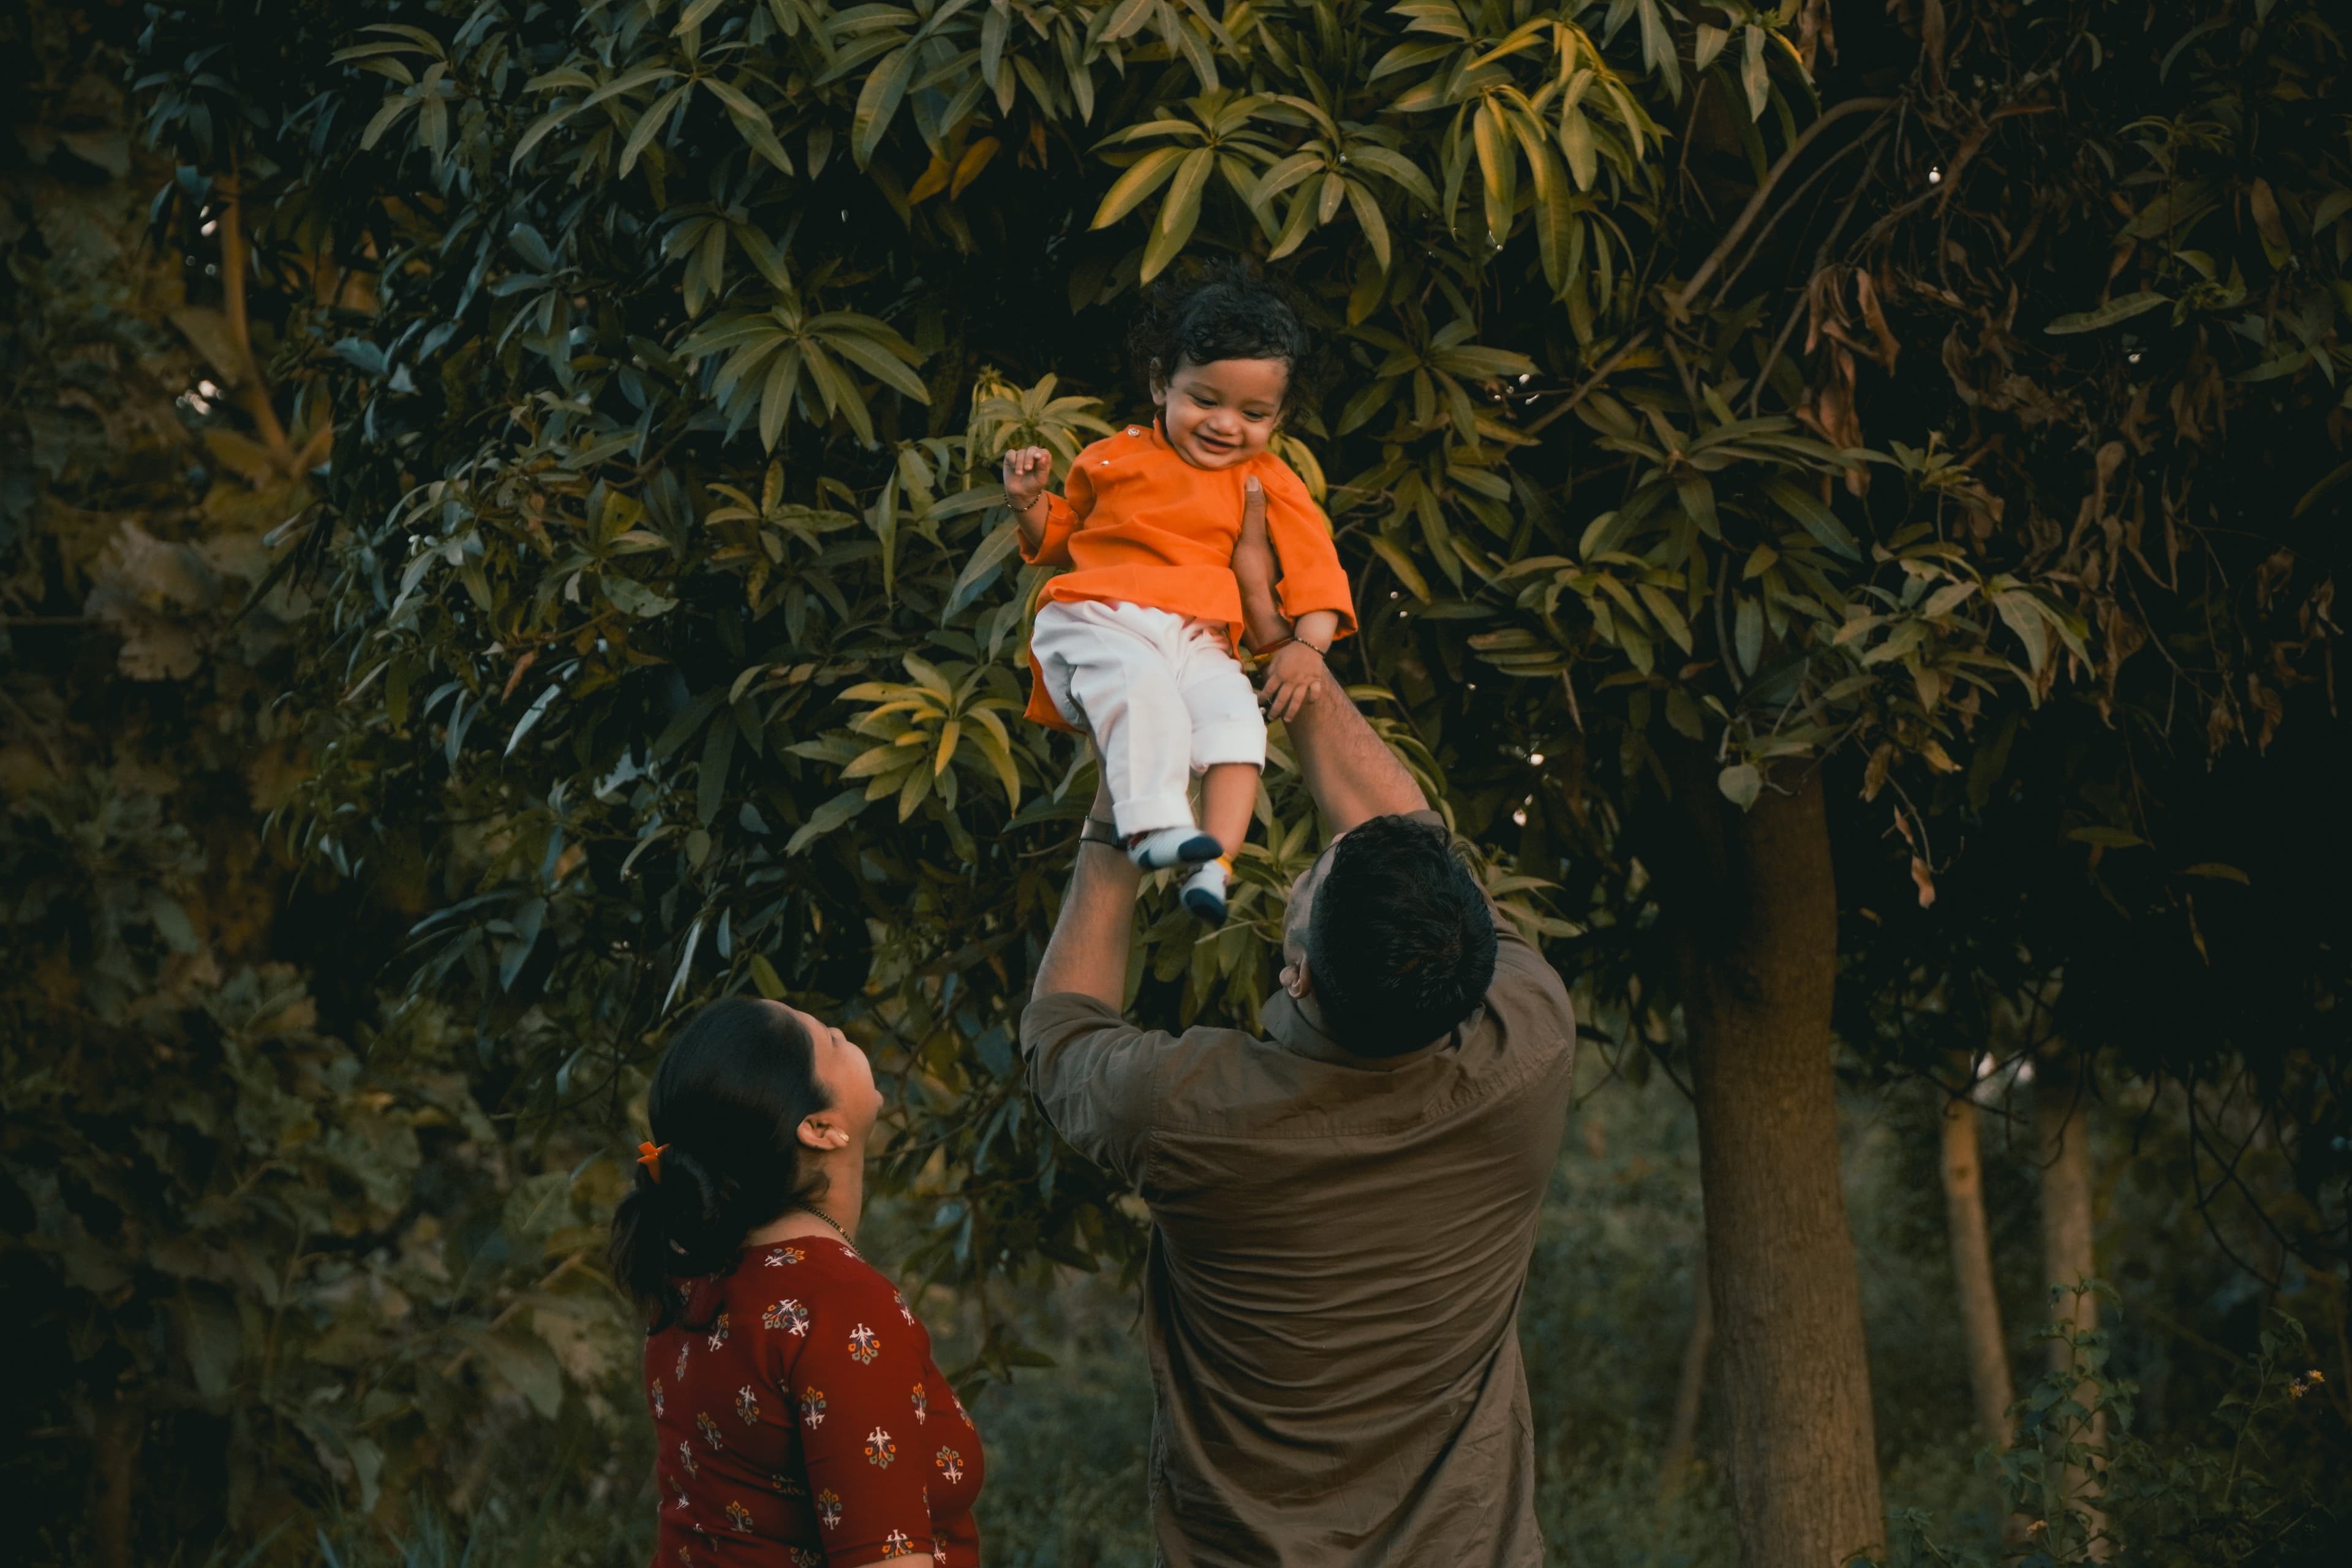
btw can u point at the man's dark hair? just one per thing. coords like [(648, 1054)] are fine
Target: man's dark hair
[(1401, 942), (1231, 312)]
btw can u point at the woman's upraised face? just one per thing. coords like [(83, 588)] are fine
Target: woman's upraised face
[(844, 1072), (1222, 413)]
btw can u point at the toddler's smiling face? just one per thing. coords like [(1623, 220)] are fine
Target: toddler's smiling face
[(1222, 413)]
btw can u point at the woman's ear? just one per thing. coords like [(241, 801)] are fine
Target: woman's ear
[(821, 1133)]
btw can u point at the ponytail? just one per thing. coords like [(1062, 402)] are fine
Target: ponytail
[(727, 1104)]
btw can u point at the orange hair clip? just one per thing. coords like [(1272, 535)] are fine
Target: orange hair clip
[(650, 1156)]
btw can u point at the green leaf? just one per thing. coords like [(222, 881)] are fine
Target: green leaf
[(825, 818), (1129, 190), (878, 103), (1400, 563), (1741, 784), (634, 599), (526, 1364), (1816, 519), (764, 976), (2117, 309), (1000, 542)]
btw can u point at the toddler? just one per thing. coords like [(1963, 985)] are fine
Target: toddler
[(1135, 643)]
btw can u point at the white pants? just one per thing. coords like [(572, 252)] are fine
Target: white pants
[(1161, 696)]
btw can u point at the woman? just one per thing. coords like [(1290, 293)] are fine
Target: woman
[(800, 1416)]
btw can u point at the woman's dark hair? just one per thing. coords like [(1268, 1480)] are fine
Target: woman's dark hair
[(1229, 311), (1401, 942), (729, 1099)]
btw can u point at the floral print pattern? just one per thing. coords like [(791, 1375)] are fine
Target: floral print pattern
[(818, 1480), (879, 1450)]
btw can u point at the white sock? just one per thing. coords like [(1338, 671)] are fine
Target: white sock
[(1167, 846), (1204, 891)]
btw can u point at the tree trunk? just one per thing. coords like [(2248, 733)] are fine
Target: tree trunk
[(1757, 928), (121, 1428), (2069, 1255), (1683, 1434), (1972, 1273)]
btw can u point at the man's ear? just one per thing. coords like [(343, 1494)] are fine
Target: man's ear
[(1298, 979)]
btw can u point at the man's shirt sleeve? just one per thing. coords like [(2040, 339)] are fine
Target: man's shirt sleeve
[(1093, 1072)]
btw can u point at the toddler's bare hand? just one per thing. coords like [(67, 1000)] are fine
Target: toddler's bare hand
[(1026, 472), (1295, 676)]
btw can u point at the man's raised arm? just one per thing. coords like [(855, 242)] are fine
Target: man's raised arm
[(1087, 955), (1352, 776)]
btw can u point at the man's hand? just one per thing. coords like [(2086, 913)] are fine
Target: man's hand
[(1295, 677), (1254, 569)]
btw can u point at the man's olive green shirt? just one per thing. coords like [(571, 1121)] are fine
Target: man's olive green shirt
[(1337, 1251)]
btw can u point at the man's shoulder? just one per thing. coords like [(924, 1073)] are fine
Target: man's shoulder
[(1065, 1014)]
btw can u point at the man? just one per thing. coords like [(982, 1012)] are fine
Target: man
[(1342, 1214)]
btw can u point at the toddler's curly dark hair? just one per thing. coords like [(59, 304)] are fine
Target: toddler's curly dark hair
[(1227, 312)]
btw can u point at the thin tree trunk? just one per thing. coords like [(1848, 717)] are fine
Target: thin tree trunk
[(121, 1428), (1683, 1436), (2068, 1248), (1758, 924), (1972, 1272)]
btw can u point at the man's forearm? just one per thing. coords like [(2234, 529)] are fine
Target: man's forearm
[(1351, 774), (1087, 952)]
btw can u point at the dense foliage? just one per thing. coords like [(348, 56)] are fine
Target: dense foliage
[(587, 555)]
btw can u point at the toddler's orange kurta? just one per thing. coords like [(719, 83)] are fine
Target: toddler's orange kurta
[(1142, 526)]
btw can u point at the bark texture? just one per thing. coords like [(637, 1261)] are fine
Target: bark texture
[(1756, 918), (2069, 1251), (121, 1427), (1972, 1272)]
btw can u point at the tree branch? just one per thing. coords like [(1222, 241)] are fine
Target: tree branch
[(252, 389), (1755, 208)]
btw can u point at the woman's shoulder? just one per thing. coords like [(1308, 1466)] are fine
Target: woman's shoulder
[(820, 1291), (812, 1262)]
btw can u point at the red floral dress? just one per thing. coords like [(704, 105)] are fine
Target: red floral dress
[(806, 1423)]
